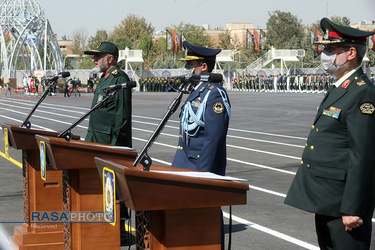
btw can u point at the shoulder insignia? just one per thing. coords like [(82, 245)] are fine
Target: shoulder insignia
[(361, 83), (212, 86), (218, 108), (115, 72), (345, 85), (367, 108)]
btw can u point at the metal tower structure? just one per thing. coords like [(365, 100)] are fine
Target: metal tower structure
[(27, 40)]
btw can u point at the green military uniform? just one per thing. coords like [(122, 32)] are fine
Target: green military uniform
[(111, 124), (337, 172)]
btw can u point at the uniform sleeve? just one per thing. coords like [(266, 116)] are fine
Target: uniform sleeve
[(360, 175), (216, 127), (122, 135)]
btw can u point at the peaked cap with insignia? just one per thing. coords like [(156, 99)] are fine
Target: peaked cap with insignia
[(104, 48), (335, 33), (198, 53)]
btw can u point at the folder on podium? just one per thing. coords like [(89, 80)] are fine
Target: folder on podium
[(184, 211)]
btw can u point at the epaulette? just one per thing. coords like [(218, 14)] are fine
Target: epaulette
[(115, 73)]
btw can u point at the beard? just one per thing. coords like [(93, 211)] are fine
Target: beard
[(104, 65)]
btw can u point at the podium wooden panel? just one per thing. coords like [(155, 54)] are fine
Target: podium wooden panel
[(83, 189), (38, 195), (184, 211)]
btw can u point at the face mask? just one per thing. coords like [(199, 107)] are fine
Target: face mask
[(188, 70), (327, 60)]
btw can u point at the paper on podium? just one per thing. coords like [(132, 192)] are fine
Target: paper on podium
[(206, 175)]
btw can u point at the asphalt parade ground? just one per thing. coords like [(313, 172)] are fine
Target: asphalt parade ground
[(266, 137)]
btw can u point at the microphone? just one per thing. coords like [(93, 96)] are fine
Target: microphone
[(125, 85), (60, 75), (211, 77)]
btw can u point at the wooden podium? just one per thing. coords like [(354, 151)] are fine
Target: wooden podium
[(184, 211), (38, 195), (82, 189)]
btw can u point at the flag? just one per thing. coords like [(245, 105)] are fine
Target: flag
[(262, 40), (169, 40), (176, 42), (249, 40), (319, 37), (255, 40), (182, 40), (373, 41)]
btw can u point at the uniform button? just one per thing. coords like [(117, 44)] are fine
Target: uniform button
[(312, 127), (305, 145), (181, 136), (308, 165), (317, 130), (198, 156), (312, 147), (301, 162)]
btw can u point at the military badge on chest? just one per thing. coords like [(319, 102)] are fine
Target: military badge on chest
[(332, 112)]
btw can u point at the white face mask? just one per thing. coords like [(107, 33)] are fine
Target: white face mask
[(327, 60), (188, 70)]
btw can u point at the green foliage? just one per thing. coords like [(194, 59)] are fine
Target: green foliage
[(168, 63), (133, 28), (94, 41), (122, 43), (86, 63), (79, 42), (145, 44), (284, 31)]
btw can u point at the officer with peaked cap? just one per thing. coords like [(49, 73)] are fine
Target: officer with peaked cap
[(204, 119), (336, 178), (111, 124)]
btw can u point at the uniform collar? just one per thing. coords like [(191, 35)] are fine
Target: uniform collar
[(342, 79)]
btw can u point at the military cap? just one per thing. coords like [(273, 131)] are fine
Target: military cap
[(193, 52), (335, 33), (104, 48)]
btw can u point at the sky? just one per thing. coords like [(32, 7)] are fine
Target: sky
[(69, 16)]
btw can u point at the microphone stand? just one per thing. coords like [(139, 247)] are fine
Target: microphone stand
[(67, 133), (27, 122), (143, 157)]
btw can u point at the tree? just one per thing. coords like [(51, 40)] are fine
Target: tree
[(122, 43), (86, 63), (284, 31), (145, 44), (132, 28), (94, 41), (227, 41), (79, 42)]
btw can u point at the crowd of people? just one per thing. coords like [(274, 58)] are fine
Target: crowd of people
[(158, 84)]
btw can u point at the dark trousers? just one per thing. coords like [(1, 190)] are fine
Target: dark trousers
[(332, 235)]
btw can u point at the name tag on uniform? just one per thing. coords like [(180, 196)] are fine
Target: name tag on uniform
[(332, 112)]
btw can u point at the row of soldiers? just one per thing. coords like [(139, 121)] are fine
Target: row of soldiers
[(283, 83), (158, 84)]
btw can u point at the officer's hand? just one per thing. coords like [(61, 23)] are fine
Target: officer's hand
[(350, 222)]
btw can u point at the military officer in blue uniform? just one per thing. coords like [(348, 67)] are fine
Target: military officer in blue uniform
[(204, 117), (336, 179)]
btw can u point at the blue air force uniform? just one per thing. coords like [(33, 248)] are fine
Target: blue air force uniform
[(204, 123), (204, 117)]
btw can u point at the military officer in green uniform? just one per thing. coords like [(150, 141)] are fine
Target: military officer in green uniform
[(110, 124), (336, 178)]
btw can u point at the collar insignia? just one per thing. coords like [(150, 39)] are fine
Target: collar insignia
[(345, 85)]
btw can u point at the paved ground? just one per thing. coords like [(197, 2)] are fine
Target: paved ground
[(265, 141)]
